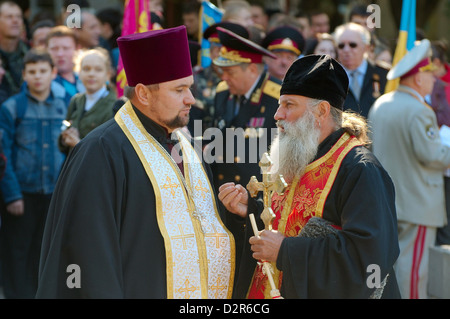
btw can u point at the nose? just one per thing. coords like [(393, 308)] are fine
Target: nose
[(190, 99), (286, 61), (59, 52), (279, 114), (223, 77)]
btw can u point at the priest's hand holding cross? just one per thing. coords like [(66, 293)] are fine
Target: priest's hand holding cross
[(266, 244), (235, 199)]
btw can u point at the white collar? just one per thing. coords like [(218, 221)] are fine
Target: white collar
[(249, 92), (97, 95)]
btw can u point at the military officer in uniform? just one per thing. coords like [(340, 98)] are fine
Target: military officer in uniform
[(246, 101), (405, 138), (206, 79), (287, 44), (367, 80)]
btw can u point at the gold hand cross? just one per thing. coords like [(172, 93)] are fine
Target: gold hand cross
[(267, 186)]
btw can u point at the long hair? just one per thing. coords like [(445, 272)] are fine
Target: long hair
[(353, 123)]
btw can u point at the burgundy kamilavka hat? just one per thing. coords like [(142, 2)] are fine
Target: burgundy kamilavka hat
[(155, 56)]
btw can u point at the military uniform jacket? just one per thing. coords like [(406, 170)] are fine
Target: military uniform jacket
[(252, 131), (373, 87), (405, 138), (254, 125)]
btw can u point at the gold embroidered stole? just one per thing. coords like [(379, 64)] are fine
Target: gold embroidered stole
[(304, 199), (200, 251)]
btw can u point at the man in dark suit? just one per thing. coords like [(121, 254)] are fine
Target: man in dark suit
[(367, 79), (246, 101)]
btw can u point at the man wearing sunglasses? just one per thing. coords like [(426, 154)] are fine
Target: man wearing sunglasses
[(367, 79)]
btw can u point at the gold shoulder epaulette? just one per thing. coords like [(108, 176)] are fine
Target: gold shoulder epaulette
[(383, 65), (222, 86), (272, 89)]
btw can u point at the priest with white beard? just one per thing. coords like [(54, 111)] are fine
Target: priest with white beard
[(335, 230)]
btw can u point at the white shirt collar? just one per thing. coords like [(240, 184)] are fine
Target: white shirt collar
[(91, 99), (97, 95), (249, 92)]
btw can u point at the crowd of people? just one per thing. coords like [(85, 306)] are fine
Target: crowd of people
[(369, 162)]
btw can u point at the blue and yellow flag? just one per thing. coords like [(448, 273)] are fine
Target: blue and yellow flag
[(209, 15), (406, 37)]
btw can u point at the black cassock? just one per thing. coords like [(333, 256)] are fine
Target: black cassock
[(362, 202), (102, 221)]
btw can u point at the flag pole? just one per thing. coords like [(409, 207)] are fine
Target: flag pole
[(407, 17)]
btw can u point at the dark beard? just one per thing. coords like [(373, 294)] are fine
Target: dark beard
[(177, 122)]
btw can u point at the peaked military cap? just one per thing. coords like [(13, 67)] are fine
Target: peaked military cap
[(418, 59), (236, 50), (318, 77), (212, 35), (285, 39)]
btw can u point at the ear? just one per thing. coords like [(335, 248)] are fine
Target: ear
[(323, 110), (418, 79), (253, 67), (142, 94)]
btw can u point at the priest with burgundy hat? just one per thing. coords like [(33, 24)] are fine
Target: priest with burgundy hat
[(334, 234), (134, 213)]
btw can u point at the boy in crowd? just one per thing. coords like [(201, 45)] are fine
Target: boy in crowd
[(31, 123)]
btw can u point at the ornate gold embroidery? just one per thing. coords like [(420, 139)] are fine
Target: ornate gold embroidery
[(216, 235), (217, 287), (183, 237), (233, 56), (199, 187), (170, 185), (187, 289)]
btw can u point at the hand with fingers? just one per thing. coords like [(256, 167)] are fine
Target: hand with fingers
[(267, 245), (235, 198)]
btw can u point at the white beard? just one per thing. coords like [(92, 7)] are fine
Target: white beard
[(292, 150)]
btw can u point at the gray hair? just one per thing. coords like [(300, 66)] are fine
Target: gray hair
[(353, 123), (362, 31)]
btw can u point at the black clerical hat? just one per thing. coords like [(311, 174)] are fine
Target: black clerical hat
[(318, 77), (284, 38)]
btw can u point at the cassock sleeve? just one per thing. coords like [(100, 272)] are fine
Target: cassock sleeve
[(340, 266), (80, 243)]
